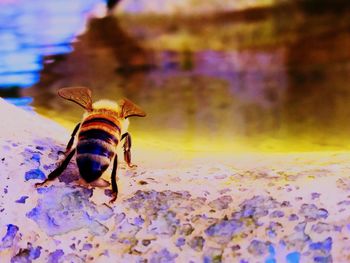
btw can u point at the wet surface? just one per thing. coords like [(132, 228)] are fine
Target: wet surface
[(219, 208), (283, 219), (259, 79)]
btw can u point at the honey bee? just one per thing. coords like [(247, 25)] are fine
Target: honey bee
[(103, 126)]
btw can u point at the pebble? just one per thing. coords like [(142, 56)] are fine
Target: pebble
[(34, 174), (273, 228), (125, 233), (311, 212), (138, 221), (180, 242), (300, 227), (197, 243), (163, 256), (315, 195), (325, 245), (320, 259), (146, 242), (119, 218), (258, 206), (54, 257), (293, 217), (277, 214), (87, 246), (321, 227), (212, 255), (258, 248), (224, 230), (236, 247), (345, 202), (221, 202), (27, 255), (186, 229), (296, 241), (22, 199), (7, 240), (165, 223)]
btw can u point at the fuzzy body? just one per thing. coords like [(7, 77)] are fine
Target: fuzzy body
[(99, 134)]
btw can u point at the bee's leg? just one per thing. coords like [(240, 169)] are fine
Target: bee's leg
[(55, 173), (71, 141), (114, 179), (127, 148)]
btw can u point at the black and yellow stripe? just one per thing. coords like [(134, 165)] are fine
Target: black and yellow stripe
[(98, 138)]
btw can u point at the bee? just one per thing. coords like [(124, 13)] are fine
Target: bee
[(103, 126)]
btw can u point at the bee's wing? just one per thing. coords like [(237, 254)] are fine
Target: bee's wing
[(130, 109), (79, 95)]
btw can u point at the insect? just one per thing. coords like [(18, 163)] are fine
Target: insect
[(103, 126)]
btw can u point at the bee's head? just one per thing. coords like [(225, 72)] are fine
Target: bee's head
[(106, 105), (123, 109), (82, 96)]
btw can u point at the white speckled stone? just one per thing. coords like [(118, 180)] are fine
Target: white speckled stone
[(185, 212)]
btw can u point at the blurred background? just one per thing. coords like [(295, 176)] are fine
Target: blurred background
[(213, 76)]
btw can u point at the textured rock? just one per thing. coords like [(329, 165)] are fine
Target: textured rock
[(27, 254), (227, 212), (7, 240), (61, 210), (258, 248)]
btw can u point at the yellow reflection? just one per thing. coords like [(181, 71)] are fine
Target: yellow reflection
[(191, 144)]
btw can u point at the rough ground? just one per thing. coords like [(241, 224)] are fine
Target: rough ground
[(237, 208)]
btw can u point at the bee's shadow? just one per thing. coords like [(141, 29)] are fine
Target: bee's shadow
[(70, 174)]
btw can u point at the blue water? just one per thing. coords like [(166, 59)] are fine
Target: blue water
[(30, 30)]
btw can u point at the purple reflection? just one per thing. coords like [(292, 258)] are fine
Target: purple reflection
[(258, 77)]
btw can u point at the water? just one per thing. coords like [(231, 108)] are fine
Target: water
[(273, 79), (30, 32)]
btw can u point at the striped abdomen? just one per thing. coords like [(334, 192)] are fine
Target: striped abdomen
[(97, 141)]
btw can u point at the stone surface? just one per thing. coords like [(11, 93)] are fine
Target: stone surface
[(187, 212)]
